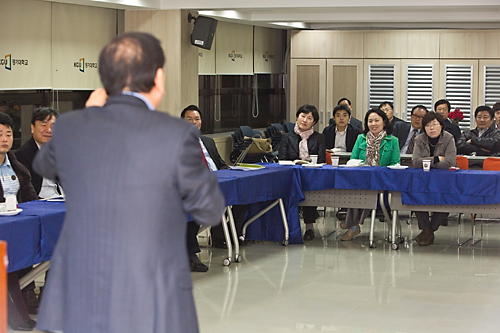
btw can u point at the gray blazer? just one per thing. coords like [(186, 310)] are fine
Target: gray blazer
[(445, 147), (130, 176)]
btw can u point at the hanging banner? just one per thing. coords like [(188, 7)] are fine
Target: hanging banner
[(268, 45), (25, 45), (79, 34), (234, 43)]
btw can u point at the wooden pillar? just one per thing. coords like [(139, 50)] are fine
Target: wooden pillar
[(172, 28)]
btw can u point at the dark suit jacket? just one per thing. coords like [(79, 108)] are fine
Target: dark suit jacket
[(130, 176), (26, 191), (353, 121), (395, 120), (401, 131), (453, 129), (351, 136), (213, 152), (289, 146), (26, 154)]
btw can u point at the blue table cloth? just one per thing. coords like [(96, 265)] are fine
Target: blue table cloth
[(258, 188)]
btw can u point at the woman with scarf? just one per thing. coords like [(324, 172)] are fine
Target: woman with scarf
[(303, 142), (438, 146), (376, 147)]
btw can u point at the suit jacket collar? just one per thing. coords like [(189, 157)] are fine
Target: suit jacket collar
[(128, 100)]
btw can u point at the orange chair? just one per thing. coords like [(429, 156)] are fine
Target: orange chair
[(491, 164), (328, 158), (463, 162)]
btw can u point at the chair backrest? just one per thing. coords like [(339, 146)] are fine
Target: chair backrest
[(289, 127), (492, 164), (246, 131), (463, 162)]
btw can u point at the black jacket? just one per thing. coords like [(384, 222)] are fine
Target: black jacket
[(401, 131), (396, 120), (350, 140), (489, 141), (26, 154), (453, 129), (213, 152), (289, 146)]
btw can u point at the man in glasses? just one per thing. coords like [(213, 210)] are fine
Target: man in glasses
[(406, 132)]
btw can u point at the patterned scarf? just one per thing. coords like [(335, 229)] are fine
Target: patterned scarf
[(373, 148), (304, 135)]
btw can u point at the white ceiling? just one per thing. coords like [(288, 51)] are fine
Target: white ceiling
[(333, 14)]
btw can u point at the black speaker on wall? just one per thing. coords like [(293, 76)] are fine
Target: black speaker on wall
[(203, 31)]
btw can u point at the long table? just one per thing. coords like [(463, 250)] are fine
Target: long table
[(32, 234)]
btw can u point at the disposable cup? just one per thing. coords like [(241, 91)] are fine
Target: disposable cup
[(426, 165)]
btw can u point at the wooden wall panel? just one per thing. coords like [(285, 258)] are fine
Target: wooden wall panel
[(327, 44), (401, 44), (181, 58), (470, 44)]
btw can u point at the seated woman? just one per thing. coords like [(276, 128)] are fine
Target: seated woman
[(376, 147), (341, 135), (438, 146), (300, 144), (14, 180)]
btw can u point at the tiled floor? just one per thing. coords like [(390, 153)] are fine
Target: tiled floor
[(333, 286)]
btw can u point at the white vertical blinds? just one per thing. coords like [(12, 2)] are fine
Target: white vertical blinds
[(491, 85), (458, 90), (419, 87), (381, 84)]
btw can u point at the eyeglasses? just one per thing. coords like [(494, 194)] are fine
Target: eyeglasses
[(386, 110), (418, 117)]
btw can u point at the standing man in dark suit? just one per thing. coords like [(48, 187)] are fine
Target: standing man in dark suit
[(443, 107), (130, 175), (407, 132), (42, 121), (192, 114)]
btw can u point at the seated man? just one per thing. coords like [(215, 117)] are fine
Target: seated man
[(496, 110), (353, 121), (42, 121), (443, 107), (388, 108), (214, 162), (15, 181), (406, 132), (483, 140), (341, 135)]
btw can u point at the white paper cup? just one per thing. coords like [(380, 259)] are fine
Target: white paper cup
[(10, 202), (314, 159), (426, 165), (335, 161)]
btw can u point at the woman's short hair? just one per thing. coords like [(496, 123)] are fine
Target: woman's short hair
[(306, 109), (341, 107), (484, 108), (387, 124), (430, 116)]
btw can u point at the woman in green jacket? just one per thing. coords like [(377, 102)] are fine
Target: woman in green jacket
[(376, 147)]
